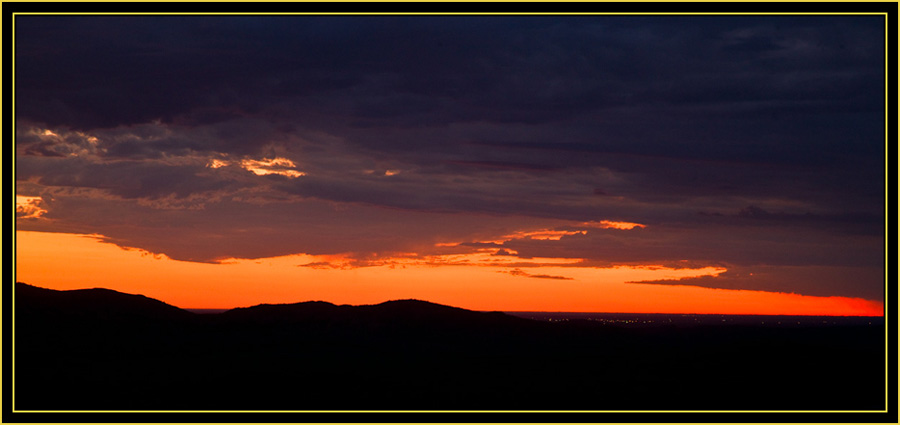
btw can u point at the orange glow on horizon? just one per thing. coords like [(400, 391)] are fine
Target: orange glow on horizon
[(68, 261)]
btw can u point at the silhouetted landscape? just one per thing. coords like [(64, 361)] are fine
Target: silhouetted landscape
[(97, 349)]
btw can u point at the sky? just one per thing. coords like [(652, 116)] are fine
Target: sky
[(688, 164)]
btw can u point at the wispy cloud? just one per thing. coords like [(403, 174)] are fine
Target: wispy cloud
[(519, 272)]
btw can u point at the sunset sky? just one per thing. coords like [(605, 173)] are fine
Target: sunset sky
[(674, 164)]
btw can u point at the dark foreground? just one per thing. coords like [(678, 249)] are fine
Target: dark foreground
[(103, 350)]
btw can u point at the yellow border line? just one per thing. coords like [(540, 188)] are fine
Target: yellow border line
[(13, 71), (450, 411), (472, 1), (476, 1), (886, 208), (884, 256), (14, 219), (883, 14), (448, 14)]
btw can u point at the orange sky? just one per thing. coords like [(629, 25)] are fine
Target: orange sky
[(68, 261)]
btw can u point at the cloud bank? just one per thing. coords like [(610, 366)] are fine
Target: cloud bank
[(754, 143)]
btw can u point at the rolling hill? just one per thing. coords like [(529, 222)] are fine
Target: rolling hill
[(98, 349)]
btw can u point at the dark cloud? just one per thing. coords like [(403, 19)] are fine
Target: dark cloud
[(127, 180), (737, 140), (502, 165), (714, 244), (808, 280), (519, 272)]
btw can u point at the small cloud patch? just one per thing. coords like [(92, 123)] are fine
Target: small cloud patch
[(29, 207), (606, 224), (280, 166), (520, 272)]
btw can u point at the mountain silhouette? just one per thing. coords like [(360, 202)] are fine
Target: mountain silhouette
[(98, 349), (391, 316), (98, 303), (311, 310)]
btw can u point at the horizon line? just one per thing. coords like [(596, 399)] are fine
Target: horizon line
[(222, 310)]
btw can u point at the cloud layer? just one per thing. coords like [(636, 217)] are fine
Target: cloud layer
[(754, 143)]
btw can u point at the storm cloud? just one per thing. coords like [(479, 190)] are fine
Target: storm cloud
[(754, 143)]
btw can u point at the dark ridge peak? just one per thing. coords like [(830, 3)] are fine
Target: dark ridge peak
[(402, 313), (28, 290), (414, 304), (282, 313), (412, 301), (421, 305), (408, 300), (22, 287), (327, 306), (105, 303), (27, 287), (303, 304), (416, 308), (429, 313)]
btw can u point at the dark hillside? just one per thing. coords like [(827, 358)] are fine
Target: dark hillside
[(103, 350), (97, 303)]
